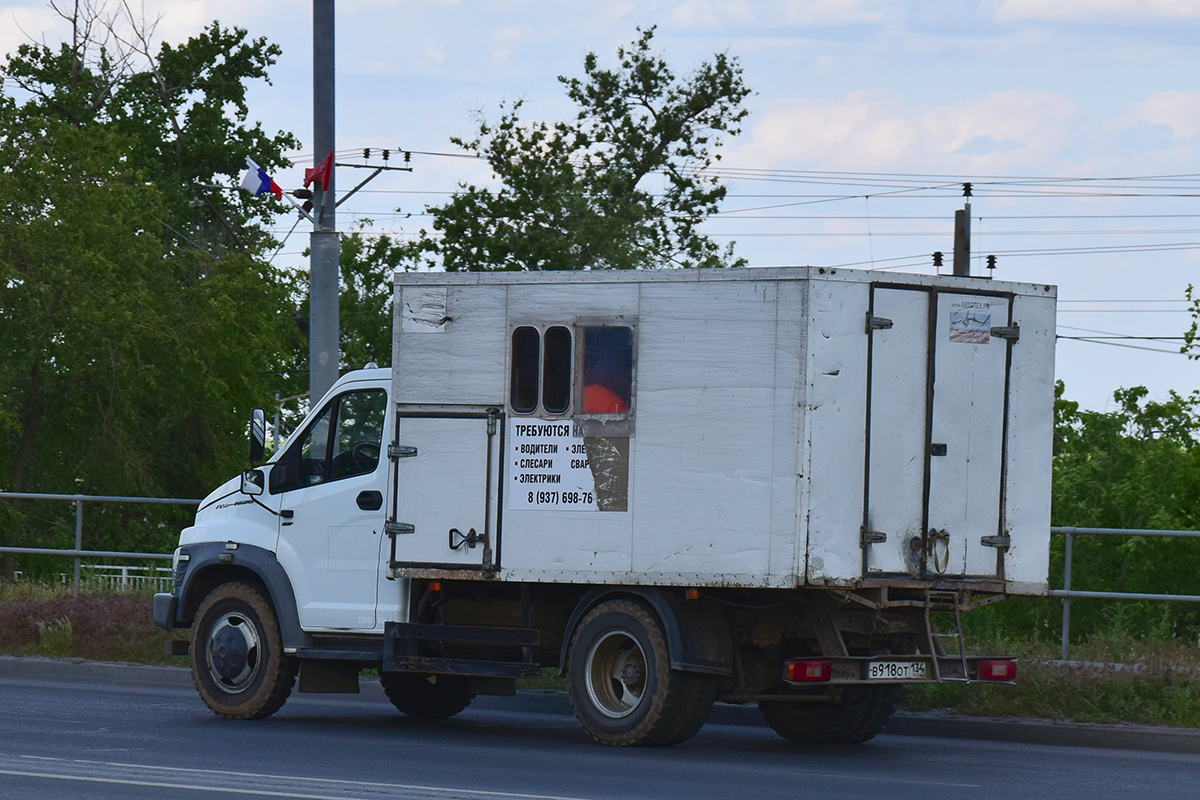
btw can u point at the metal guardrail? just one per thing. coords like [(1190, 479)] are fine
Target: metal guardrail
[(1066, 593), (78, 552)]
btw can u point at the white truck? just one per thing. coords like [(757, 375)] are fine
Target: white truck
[(751, 485)]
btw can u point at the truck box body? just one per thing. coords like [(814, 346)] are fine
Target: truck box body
[(770, 428)]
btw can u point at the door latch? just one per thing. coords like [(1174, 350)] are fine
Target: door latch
[(875, 323), (1001, 541), (470, 538), (399, 451), (873, 537)]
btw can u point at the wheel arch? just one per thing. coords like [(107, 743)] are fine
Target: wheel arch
[(698, 637), (207, 569)]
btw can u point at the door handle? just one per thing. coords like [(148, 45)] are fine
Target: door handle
[(370, 500)]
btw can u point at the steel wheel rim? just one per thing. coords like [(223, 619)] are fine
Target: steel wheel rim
[(616, 674), (234, 652)]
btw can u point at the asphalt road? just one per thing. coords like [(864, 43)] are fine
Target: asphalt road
[(90, 740)]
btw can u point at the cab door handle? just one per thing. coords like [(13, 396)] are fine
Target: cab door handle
[(370, 500)]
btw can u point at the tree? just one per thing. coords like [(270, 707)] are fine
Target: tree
[(1137, 467), (623, 185), (182, 110), (132, 342)]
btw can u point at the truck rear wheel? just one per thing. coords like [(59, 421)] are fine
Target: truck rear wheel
[(881, 704), (426, 696), (818, 721), (237, 657), (621, 685)]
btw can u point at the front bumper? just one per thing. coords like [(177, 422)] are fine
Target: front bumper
[(164, 610)]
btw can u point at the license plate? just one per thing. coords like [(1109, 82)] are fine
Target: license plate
[(895, 670)]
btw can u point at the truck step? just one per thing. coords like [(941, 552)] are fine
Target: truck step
[(461, 666), (460, 634)]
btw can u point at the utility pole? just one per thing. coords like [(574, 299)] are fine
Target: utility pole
[(962, 236), (324, 243)]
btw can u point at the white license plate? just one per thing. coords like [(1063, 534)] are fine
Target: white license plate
[(895, 670)]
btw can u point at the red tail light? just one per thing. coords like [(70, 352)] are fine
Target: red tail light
[(808, 671), (997, 670)]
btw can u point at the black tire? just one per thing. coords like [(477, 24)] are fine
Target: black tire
[(818, 722), (621, 685), (426, 696), (881, 704), (237, 657)]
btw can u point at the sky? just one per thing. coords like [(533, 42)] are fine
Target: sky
[(1077, 122)]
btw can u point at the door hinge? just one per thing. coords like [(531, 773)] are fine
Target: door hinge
[(1001, 541), (1012, 332), (399, 451), (398, 528), (875, 323), (873, 537)]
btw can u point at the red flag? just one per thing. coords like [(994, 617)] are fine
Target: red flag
[(321, 173)]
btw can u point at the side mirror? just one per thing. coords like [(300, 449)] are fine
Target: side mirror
[(252, 482), (258, 436)]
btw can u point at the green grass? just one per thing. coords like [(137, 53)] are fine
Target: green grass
[(1112, 677)]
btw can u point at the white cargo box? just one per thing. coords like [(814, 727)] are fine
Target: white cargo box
[(758, 427)]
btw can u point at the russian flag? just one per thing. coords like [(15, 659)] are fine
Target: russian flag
[(257, 181)]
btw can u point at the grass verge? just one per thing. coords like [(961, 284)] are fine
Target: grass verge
[(38, 620), (1111, 678)]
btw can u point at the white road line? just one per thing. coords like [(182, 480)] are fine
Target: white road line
[(161, 785), (372, 789)]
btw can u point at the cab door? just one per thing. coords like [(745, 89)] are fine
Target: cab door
[(331, 484)]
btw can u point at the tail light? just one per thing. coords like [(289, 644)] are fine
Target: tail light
[(798, 671), (997, 670)]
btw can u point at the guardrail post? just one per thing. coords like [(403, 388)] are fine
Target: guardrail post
[(1066, 625), (78, 542)]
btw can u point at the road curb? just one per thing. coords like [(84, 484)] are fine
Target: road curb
[(904, 723)]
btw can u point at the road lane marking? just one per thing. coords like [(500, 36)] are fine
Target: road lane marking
[(305, 788)]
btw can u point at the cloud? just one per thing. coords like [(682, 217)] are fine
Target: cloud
[(1096, 9), (867, 130), (1179, 111), (829, 12), (710, 14), (986, 145)]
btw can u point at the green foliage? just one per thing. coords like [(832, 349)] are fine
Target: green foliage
[(1136, 467), (132, 344), (54, 638), (621, 186), (181, 111)]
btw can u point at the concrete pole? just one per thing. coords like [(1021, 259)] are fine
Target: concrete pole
[(323, 244), (962, 241)]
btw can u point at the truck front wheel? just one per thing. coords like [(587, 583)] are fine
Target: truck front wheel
[(237, 657), (621, 685), (426, 696)]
